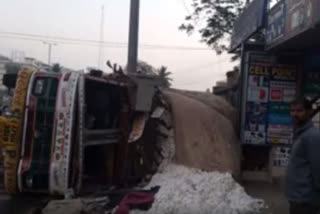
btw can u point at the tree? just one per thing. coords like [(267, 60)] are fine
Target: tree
[(164, 76), (145, 68), (215, 20), (56, 68), (10, 77), (12, 68)]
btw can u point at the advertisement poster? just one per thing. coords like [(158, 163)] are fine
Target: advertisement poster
[(258, 94), (270, 89), (282, 92), (280, 134), (280, 156), (256, 114), (257, 104)]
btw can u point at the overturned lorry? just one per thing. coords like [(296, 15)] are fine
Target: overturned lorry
[(72, 132)]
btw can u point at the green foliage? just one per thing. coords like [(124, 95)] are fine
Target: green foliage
[(12, 68), (164, 76), (214, 20), (56, 68)]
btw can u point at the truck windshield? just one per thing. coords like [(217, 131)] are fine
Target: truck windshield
[(41, 119)]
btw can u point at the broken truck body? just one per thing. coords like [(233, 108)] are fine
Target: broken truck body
[(70, 131)]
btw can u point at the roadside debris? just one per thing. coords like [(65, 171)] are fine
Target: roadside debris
[(77, 206)]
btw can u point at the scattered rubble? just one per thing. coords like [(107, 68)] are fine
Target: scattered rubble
[(77, 206)]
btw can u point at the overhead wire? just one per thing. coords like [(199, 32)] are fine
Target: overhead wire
[(96, 43), (66, 40)]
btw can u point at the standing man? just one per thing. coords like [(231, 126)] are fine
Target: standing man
[(303, 172)]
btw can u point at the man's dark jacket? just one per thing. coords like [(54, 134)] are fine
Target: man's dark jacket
[(303, 172)]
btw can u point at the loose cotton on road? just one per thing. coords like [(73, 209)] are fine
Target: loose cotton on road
[(185, 191)]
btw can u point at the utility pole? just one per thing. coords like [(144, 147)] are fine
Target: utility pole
[(50, 44), (133, 36), (100, 56)]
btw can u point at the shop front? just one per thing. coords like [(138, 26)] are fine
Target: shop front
[(273, 73)]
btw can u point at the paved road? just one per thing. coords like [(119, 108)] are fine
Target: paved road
[(271, 193), (17, 205)]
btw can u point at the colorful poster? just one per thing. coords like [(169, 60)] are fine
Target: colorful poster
[(256, 122), (280, 126), (280, 134), (276, 94), (279, 119), (270, 89), (258, 94), (280, 156), (256, 116), (279, 108), (255, 137), (258, 86), (258, 81), (256, 107), (282, 91)]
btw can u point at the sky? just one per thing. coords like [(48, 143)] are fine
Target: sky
[(81, 19)]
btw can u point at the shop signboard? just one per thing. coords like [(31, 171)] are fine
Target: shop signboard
[(249, 22), (289, 19), (270, 89), (301, 15), (276, 23)]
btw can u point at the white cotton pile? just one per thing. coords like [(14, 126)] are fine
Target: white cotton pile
[(184, 190)]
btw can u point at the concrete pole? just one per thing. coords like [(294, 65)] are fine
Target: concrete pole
[(101, 48), (50, 44), (133, 36), (49, 54)]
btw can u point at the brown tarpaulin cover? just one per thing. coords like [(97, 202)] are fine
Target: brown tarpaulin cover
[(204, 138)]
